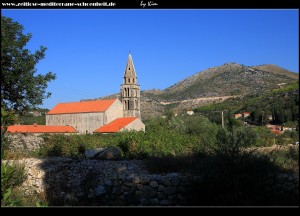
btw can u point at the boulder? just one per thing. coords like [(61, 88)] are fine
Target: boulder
[(90, 153), (111, 153)]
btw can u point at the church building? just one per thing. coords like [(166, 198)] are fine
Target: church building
[(103, 116)]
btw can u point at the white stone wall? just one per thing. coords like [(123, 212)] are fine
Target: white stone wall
[(82, 122), (113, 112), (137, 125), (87, 122)]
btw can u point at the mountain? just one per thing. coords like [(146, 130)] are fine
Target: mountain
[(214, 85), (225, 80)]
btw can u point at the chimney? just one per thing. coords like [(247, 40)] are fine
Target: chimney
[(35, 124)]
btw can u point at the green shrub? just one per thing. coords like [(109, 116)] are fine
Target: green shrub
[(287, 158), (11, 176), (264, 137), (231, 144)]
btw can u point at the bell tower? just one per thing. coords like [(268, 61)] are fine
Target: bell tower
[(130, 91)]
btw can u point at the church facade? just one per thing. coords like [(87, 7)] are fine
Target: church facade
[(103, 116)]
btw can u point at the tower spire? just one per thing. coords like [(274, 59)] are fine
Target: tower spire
[(130, 91), (129, 74)]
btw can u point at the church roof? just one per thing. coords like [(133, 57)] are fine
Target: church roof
[(82, 107), (130, 71), (116, 125), (40, 129)]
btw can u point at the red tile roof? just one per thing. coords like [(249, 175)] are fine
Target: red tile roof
[(275, 131), (40, 129), (115, 125), (82, 107)]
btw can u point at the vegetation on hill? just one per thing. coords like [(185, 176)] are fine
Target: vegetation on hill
[(281, 103)]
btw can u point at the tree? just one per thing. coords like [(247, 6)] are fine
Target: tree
[(21, 89)]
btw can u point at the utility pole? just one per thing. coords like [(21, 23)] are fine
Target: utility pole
[(222, 120)]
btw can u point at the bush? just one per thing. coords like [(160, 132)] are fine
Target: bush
[(11, 176), (264, 137), (231, 144)]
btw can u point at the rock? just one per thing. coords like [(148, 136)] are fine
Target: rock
[(154, 201), (140, 187), (153, 184), (90, 153), (165, 202), (149, 192), (175, 181), (135, 180), (160, 188), (100, 190), (144, 179), (161, 196), (139, 194), (158, 178), (111, 153), (108, 182), (170, 190), (181, 197), (166, 181), (144, 201), (128, 178)]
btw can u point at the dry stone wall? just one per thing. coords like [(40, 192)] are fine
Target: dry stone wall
[(72, 182), (25, 141), (86, 182)]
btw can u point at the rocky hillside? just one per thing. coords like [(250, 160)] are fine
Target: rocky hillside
[(225, 80), (213, 85)]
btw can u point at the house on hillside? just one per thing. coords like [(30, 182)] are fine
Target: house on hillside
[(237, 115), (246, 114), (275, 129)]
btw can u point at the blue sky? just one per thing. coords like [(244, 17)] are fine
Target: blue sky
[(88, 49)]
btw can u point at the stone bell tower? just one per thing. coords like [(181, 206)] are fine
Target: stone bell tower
[(130, 91)]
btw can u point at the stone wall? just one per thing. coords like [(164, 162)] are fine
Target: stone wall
[(82, 122), (25, 141), (102, 183), (70, 182)]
